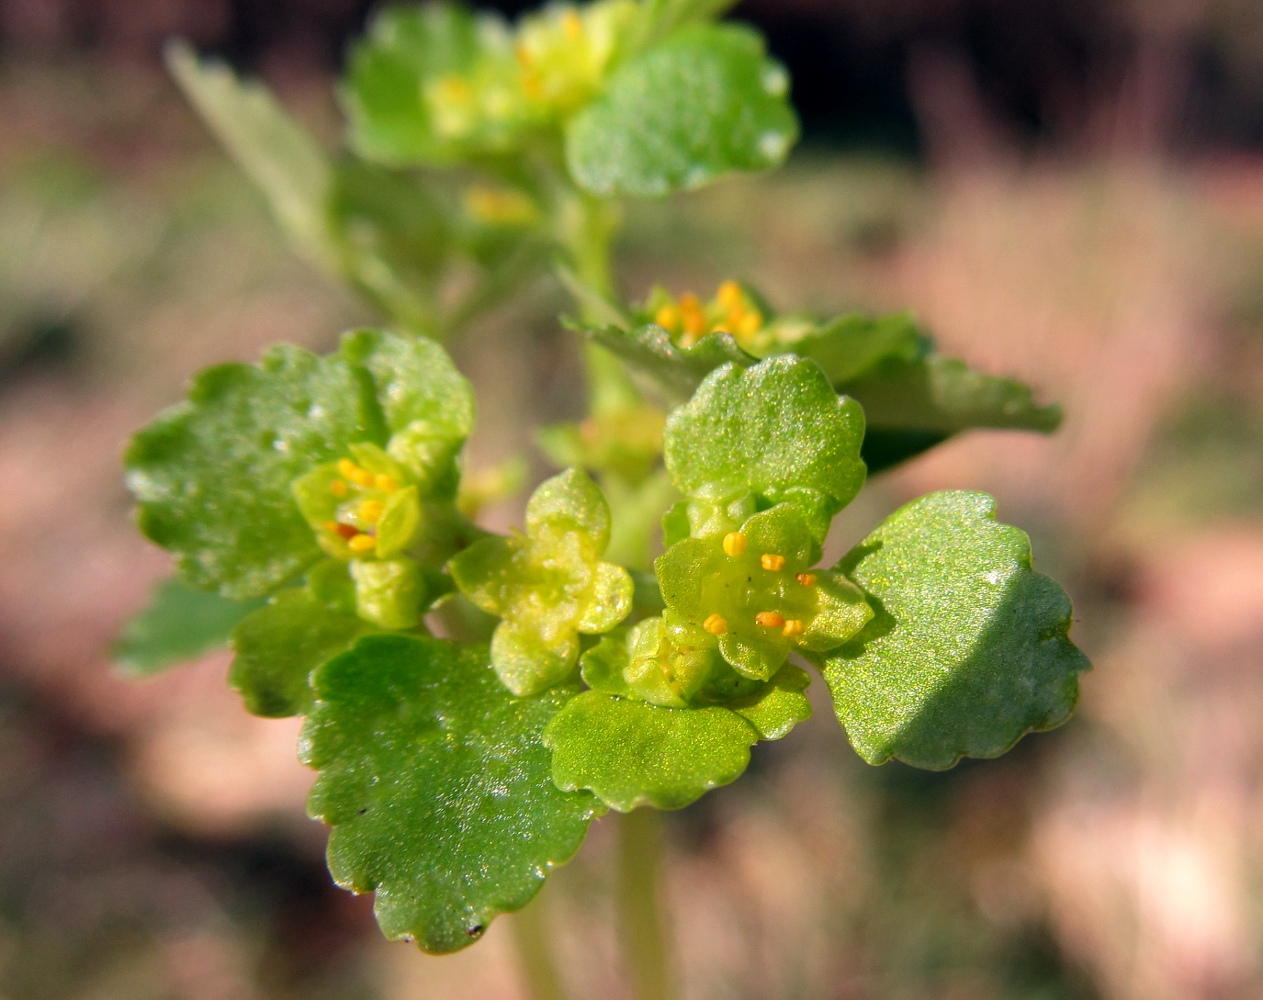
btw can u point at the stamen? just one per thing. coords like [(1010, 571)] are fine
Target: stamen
[(572, 25), (734, 543), (668, 317), (806, 579), (371, 511), (729, 295), (771, 561), (769, 619), (362, 543), (386, 483), (338, 487), (792, 628), (349, 470), (342, 530), (716, 624), (750, 323)]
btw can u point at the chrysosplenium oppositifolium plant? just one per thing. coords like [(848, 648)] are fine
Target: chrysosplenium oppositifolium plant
[(473, 701)]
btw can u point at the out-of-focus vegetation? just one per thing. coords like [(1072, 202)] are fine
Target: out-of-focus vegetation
[(1118, 858)]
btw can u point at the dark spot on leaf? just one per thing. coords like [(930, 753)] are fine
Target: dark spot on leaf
[(475, 931), (362, 811)]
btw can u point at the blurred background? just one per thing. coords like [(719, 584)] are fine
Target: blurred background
[(1069, 191)]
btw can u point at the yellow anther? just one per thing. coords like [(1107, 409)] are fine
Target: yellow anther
[(769, 619), (734, 543), (362, 543), (349, 470), (371, 511), (572, 25), (772, 562), (729, 295), (386, 483), (338, 487), (792, 628), (750, 324), (455, 90), (806, 579), (716, 625), (669, 317)]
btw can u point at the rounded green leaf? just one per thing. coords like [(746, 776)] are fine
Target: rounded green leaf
[(705, 102), (278, 647), (969, 649), (631, 753), (438, 787), (778, 429), (224, 479), (213, 474), (395, 96)]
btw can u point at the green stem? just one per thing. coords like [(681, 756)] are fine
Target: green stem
[(530, 935), (645, 945)]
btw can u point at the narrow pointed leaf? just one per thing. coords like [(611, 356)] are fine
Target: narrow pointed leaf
[(180, 624), (670, 371), (281, 157), (437, 786), (945, 395)]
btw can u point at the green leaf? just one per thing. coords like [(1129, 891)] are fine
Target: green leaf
[(670, 371), (631, 753), (572, 501), (884, 449), (213, 475), (279, 646), (778, 430), (969, 649), (437, 786), (394, 70), (705, 102), (945, 395), (850, 346), (180, 624), (273, 150), (415, 381), (779, 707)]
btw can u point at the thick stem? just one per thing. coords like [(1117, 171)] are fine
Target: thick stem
[(645, 946), (530, 935)]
